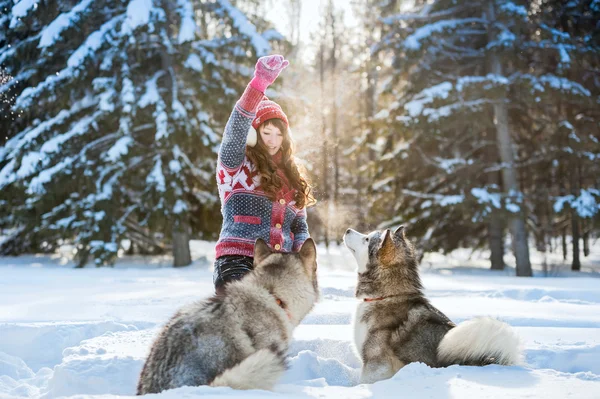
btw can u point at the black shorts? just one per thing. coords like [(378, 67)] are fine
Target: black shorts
[(231, 267)]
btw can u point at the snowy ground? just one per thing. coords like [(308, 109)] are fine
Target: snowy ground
[(85, 333)]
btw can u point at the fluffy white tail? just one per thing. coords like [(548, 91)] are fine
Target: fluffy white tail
[(261, 370), (480, 341)]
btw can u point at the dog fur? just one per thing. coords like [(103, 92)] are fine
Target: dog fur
[(395, 324), (239, 339)]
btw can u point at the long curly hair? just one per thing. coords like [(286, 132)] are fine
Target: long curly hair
[(271, 182)]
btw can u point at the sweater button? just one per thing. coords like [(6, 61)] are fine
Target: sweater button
[(282, 201), (278, 225), (277, 247)]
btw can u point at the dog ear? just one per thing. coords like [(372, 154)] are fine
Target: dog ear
[(399, 233), (308, 254), (387, 250), (261, 251)]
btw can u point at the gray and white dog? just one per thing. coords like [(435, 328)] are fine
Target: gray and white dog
[(395, 324), (239, 339)]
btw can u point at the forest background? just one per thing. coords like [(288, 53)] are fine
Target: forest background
[(475, 124)]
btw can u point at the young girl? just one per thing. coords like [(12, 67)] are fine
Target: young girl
[(261, 190)]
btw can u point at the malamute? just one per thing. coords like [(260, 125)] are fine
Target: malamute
[(395, 324), (239, 339)]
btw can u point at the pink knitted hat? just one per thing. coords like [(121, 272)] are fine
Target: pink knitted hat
[(266, 110)]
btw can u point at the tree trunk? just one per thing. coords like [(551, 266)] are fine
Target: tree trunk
[(564, 244), (495, 224), (324, 159), (509, 175), (496, 243), (586, 243), (181, 245), (575, 187), (334, 102), (576, 264), (509, 178)]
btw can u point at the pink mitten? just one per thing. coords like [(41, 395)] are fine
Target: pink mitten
[(266, 71)]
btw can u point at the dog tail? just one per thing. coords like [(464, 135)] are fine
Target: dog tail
[(260, 370), (480, 341)]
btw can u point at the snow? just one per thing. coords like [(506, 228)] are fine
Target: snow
[(138, 14), (156, 177), (91, 44), (565, 58), (21, 9), (151, 95), (174, 166), (101, 245), (85, 333), (194, 62), (36, 185), (28, 164), (585, 204), (119, 148), (127, 95), (245, 27), (161, 118), (64, 222), (413, 41), (418, 103), (187, 30), (489, 81), (484, 197), (449, 164), (566, 124), (505, 38), (97, 216), (554, 82), (7, 176), (564, 84), (514, 208), (383, 183), (22, 140), (52, 31), (81, 126), (439, 199), (451, 200), (180, 207), (514, 9), (426, 96)]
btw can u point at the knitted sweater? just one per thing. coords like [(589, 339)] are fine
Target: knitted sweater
[(247, 211)]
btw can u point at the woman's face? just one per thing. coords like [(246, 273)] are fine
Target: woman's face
[(272, 137)]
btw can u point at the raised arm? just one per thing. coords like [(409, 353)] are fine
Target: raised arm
[(233, 146)]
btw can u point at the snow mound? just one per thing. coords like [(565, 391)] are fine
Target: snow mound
[(568, 359), (309, 369), (342, 351), (108, 364), (95, 375), (42, 344), (14, 367)]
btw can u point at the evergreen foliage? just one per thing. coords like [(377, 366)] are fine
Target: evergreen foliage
[(440, 158), (123, 103)]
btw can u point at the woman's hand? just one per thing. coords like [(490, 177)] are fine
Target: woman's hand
[(266, 71)]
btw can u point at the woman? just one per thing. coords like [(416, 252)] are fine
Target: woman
[(261, 190)]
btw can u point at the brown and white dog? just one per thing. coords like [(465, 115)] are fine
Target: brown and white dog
[(395, 324)]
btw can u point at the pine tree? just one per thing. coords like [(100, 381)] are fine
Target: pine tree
[(476, 89), (564, 144), (436, 127), (121, 118)]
